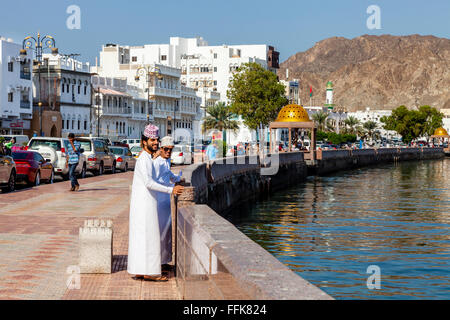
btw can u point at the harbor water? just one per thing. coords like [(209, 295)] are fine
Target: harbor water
[(341, 231)]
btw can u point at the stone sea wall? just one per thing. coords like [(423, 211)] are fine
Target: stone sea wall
[(329, 161), (225, 183)]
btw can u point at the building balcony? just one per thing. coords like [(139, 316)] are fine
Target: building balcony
[(115, 111), (163, 92), (188, 111), (139, 116), (163, 114)]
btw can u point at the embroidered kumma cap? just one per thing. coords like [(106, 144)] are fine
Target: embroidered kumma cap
[(151, 131), (167, 142)]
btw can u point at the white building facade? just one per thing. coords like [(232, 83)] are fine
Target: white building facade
[(172, 107), (66, 88), (188, 62), (375, 115), (120, 110), (15, 88)]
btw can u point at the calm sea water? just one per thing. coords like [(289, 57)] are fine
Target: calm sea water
[(330, 229)]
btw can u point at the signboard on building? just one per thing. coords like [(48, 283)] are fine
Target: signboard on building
[(17, 124)]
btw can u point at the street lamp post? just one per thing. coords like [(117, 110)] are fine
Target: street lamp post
[(38, 46), (148, 72)]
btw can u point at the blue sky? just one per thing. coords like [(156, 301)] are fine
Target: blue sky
[(289, 25)]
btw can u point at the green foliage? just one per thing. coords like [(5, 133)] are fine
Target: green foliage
[(370, 126), (335, 138), (320, 119), (256, 95), (411, 124), (219, 118), (432, 120), (2, 139)]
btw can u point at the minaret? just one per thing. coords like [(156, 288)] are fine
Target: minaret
[(329, 102)]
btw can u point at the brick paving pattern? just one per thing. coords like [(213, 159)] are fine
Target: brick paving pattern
[(39, 241)]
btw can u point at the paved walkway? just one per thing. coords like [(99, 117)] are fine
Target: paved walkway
[(39, 241)]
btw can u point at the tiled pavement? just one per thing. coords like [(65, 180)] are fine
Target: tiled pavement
[(39, 241)]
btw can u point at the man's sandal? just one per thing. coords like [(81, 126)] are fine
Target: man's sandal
[(156, 279)]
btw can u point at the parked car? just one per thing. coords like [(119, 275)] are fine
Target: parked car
[(119, 144), (99, 157), (132, 142), (55, 150), (124, 158), (33, 168), (21, 140), (7, 172), (181, 154), (135, 151)]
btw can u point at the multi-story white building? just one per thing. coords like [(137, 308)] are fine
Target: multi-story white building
[(120, 110), (172, 107), (187, 62), (15, 88), (375, 115), (65, 93)]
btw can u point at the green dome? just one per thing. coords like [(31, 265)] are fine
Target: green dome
[(329, 85)]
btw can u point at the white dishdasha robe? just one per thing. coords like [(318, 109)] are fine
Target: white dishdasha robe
[(144, 246), (167, 178)]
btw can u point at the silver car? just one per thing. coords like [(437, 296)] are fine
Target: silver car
[(99, 157), (124, 158)]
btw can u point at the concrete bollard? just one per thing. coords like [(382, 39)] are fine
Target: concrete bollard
[(96, 241)]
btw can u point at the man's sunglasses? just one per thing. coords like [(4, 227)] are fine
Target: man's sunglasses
[(167, 149)]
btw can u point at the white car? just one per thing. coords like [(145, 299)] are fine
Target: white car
[(181, 154), (132, 142), (54, 149), (135, 151)]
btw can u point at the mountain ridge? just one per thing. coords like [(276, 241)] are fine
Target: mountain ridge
[(380, 72)]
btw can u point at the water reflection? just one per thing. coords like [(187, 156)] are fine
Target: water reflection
[(330, 229)]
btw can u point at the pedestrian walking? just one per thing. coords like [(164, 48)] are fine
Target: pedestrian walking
[(211, 151), (73, 151)]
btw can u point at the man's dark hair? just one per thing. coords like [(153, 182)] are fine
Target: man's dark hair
[(71, 136)]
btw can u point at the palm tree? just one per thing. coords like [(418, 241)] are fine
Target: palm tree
[(370, 126), (219, 118), (320, 118), (330, 127), (352, 122)]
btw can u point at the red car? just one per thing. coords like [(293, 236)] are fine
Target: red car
[(32, 168)]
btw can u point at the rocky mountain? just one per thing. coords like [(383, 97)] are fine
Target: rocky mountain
[(380, 72)]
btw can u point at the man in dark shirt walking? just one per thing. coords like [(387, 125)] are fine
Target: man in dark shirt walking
[(73, 152)]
